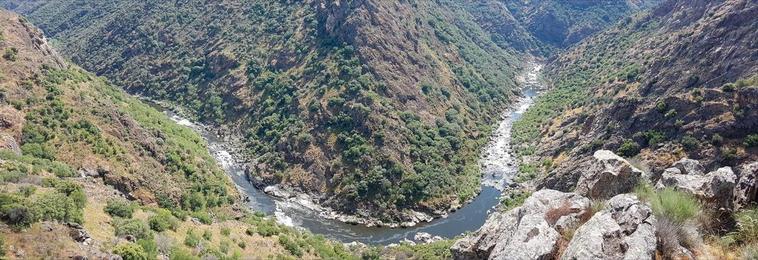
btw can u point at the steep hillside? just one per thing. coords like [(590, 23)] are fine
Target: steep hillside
[(374, 107), (679, 81), (58, 115), (380, 104), (88, 171)]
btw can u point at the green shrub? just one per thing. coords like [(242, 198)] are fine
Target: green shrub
[(653, 138), (434, 250), (27, 190), (178, 253), (11, 54), (728, 87), (17, 215), (267, 229), (751, 140), (290, 246), (132, 227), (162, 221), (660, 106), (250, 231), (38, 150), (195, 201), (130, 251), (207, 235), (690, 143), (716, 139), (223, 246), (670, 114), (728, 155), (119, 208), (150, 247), (203, 217), (58, 206), (226, 231), (192, 240), (629, 148)]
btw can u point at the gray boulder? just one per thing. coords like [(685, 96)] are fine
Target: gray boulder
[(608, 175), (689, 166), (715, 188), (624, 230), (746, 190), (531, 231)]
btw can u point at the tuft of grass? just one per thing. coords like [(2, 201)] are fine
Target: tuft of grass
[(747, 226), (675, 205)]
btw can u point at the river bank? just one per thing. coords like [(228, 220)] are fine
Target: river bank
[(300, 210)]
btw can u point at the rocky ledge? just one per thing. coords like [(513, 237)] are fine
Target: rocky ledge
[(552, 224)]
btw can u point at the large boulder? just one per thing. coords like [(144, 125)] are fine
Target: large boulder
[(624, 230), (689, 166), (608, 175), (531, 231), (746, 190), (715, 188)]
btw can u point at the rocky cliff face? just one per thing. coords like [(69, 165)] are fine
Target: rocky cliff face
[(677, 81)]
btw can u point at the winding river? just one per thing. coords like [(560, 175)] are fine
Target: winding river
[(498, 166)]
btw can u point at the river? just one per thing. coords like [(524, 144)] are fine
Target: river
[(498, 166)]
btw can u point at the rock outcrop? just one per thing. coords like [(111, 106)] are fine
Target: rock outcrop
[(715, 188), (531, 231), (11, 123), (624, 230), (607, 175), (746, 191), (689, 166)]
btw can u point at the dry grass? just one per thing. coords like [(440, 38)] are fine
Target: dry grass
[(553, 215), (40, 241)]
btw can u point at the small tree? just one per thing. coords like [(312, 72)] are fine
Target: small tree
[(119, 208), (11, 54), (132, 227), (629, 148), (130, 251), (162, 221)]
